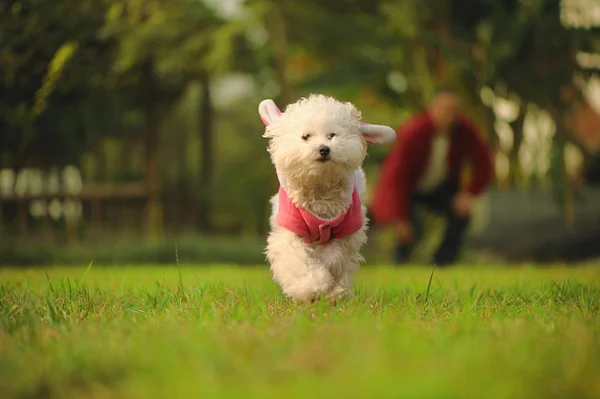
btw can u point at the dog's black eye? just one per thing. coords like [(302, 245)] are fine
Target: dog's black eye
[(306, 137), (331, 135)]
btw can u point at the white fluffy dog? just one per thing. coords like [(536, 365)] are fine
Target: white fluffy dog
[(318, 223)]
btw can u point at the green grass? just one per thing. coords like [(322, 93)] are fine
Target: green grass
[(169, 332)]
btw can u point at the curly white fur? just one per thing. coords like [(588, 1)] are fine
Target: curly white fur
[(308, 271)]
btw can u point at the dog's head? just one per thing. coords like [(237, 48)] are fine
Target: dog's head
[(318, 135)]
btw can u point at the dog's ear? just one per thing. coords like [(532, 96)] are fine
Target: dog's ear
[(377, 134), (268, 111)]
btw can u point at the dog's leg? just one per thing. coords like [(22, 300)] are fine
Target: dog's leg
[(344, 282), (309, 286), (339, 292), (299, 276)]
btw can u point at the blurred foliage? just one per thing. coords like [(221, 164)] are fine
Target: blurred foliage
[(185, 250), (155, 77)]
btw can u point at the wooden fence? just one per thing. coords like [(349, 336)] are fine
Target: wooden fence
[(100, 206)]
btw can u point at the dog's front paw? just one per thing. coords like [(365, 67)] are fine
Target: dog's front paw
[(340, 293), (312, 299)]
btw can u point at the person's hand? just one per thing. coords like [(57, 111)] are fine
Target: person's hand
[(406, 232), (462, 203)]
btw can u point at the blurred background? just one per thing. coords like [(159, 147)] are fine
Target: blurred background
[(129, 130)]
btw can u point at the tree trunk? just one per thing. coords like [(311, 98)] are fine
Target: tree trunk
[(487, 118), (207, 155), (154, 206), (561, 180), (99, 177), (126, 157), (514, 171), (421, 69), (275, 23), (441, 65), (154, 209), (277, 34)]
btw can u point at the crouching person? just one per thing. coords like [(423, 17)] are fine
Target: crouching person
[(424, 168)]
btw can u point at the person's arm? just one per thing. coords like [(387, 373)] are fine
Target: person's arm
[(480, 154)]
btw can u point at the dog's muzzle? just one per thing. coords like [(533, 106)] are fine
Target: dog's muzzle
[(324, 152)]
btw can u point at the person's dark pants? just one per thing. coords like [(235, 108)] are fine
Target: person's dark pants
[(440, 202)]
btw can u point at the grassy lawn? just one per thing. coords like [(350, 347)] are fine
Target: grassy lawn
[(168, 332)]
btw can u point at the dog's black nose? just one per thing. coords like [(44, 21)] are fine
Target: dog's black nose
[(324, 150)]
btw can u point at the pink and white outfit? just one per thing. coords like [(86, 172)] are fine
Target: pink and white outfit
[(313, 229)]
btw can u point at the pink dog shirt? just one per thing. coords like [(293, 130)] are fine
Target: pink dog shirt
[(313, 229)]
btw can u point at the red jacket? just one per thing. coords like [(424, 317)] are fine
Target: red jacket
[(408, 158)]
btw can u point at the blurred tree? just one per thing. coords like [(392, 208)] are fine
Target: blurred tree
[(519, 45), (337, 48), (52, 99), (542, 71), (74, 72), (166, 46), (277, 28)]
